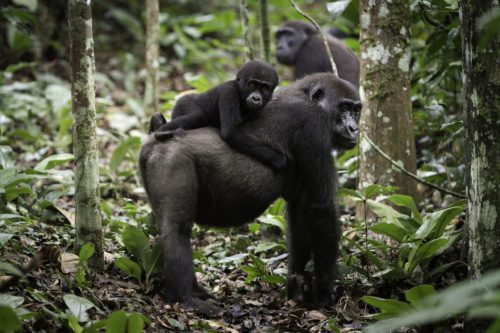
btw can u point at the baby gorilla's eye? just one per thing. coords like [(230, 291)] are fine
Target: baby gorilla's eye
[(265, 90), (251, 86)]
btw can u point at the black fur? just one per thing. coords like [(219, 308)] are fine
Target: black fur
[(299, 44), (197, 177), (226, 106)]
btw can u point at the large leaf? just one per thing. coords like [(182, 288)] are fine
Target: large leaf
[(53, 161), (391, 230), (435, 224), (454, 300), (117, 322), (408, 202), (129, 266), (78, 306), (8, 319), (131, 144), (389, 306), (416, 294), (137, 243)]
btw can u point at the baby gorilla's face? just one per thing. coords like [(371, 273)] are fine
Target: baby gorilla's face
[(258, 94)]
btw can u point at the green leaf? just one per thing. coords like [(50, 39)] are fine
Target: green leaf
[(274, 279), (135, 323), (277, 221), (8, 319), (176, 324), (232, 258), (374, 190), (73, 324), (4, 238), (445, 304), (387, 305), (416, 294), (10, 269), (132, 143), (392, 216), (53, 161), (11, 300), (408, 202), (86, 252), (136, 242), (129, 266), (347, 192), (265, 246), (435, 224), (391, 230), (117, 322), (78, 306)]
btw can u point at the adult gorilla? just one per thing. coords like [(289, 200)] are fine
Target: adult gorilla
[(198, 177), (299, 44)]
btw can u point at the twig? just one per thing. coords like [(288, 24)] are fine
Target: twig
[(409, 174), (325, 41), (246, 30)]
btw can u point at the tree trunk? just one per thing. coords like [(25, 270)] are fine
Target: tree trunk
[(151, 94), (385, 92), (88, 219), (264, 26), (481, 67)]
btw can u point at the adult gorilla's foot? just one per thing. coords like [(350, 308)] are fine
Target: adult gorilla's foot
[(299, 288), (199, 306), (200, 292)]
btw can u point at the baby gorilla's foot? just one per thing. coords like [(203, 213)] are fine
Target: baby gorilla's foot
[(156, 121)]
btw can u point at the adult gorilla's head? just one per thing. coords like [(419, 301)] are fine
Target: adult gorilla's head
[(339, 98)]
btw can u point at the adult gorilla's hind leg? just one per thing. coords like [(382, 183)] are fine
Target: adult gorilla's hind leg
[(173, 192)]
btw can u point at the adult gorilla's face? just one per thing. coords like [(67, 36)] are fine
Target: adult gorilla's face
[(289, 40), (344, 111)]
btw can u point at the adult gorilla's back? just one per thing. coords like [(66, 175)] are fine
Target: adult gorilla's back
[(197, 177), (199, 170)]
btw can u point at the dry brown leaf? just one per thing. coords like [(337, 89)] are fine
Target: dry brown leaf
[(69, 262)]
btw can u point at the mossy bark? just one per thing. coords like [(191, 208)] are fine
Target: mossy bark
[(88, 218), (152, 92), (385, 92), (481, 67)]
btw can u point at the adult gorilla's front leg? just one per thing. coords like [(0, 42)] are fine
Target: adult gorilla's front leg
[(325, 233), (299, 247)]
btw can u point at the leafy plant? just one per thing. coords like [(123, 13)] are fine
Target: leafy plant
[(147, 257), (478, 299), (86, 252), (259, 270)]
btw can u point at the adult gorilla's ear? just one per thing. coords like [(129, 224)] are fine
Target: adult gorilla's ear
[(316, 94)]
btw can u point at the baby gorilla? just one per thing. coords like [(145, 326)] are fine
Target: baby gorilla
[(226, 106)]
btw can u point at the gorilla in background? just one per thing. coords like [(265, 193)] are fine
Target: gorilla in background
[(199, 178), (300, 45)]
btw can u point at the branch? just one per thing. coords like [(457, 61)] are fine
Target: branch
[(246, 30), (409, 174), (325, 41)]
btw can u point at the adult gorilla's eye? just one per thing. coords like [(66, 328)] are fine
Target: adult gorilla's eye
[(317, 94)]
